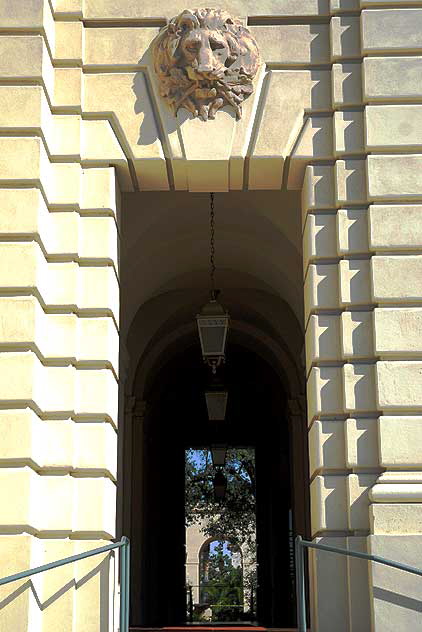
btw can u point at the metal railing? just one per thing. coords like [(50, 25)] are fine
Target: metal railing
[(301, 545), (123, 544), (206, 600)]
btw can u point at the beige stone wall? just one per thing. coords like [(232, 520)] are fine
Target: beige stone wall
[(59, 311), (94, 58), (363, 291)]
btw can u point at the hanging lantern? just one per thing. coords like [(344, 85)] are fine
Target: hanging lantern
[(213, 320), (213, 325), (220, 486), (216, 404), (218, 455)]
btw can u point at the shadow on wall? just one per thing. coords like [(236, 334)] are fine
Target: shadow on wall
[(397, 599), (97, 590), (145, 98)]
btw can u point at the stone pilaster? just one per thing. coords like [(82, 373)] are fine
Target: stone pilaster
[(393, 111), (341, 362), (362, 245), (59, 310)]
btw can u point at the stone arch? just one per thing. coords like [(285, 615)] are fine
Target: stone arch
[(195, 545), (252, 338), (258, 335)]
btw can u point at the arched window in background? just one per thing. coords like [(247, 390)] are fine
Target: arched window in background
[(221, 594)]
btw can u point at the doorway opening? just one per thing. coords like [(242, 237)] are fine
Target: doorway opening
[(165, 279), (221, 571), (176, 418)]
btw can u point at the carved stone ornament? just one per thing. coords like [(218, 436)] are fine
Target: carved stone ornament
[(204, 60)]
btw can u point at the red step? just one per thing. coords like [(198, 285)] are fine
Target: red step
[(218, 628)]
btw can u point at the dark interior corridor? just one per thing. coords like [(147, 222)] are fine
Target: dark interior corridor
[(176, 418)]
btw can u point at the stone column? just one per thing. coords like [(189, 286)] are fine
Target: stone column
[(59, 309)]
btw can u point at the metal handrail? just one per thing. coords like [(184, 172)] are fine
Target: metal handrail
[(300, 545), (124, 544)]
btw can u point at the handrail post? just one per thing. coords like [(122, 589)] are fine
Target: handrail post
[(300, 585), (127, 585), (123, 588), (190, 605)]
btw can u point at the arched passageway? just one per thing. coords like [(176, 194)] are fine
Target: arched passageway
[(260, 279)]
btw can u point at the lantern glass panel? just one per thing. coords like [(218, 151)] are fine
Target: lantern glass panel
[(218, 454), (213, 333), (216, 405), (220, 486)]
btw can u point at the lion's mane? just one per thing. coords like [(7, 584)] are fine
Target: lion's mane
[(203, 98)]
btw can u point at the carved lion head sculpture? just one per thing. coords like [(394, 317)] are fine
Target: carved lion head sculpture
[(205, 59)]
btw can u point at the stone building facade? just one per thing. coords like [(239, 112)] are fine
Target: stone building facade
[(319, 187), (196, 543)]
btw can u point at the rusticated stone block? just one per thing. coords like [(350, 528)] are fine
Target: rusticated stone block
[(99, 191), (356, 334), (361, 443), (359, 387), (348, 132), (293, 43), (355, 286), (323, 339), (326, 446), (398, 518), (16, 553), (391, 29), (119, 47), (396, 594), (67, 88), (352, 231), (400, 439), (69, 41), (329, 503), (347, 84), (330, 590), (395, 227), (397, 279), (393, 78), (397, 331), (131, 9), (318, 188), (319, 238), (321, 287), (26, 58), (399, 385), (395, 177), (350, 182), (358, 486), (345, 37), (396, 127), (94, 507), (325, 392)]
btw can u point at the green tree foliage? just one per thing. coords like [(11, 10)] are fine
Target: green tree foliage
[(221, 584), (233, 519)]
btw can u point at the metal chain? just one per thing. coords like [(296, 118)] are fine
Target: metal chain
[(212, 247)]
